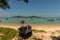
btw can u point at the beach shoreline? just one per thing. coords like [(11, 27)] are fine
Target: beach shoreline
[(39, 26), (49, 28)]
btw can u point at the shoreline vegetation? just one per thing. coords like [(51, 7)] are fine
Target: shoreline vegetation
[(40, 31), (26, 17)]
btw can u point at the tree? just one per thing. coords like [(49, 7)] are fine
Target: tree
[(4, 3)]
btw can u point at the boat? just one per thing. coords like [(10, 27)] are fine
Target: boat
[(50, 19)]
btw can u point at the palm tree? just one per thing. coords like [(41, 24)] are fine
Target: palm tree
[(4, 3)]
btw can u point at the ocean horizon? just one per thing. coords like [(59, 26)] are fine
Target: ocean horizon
[(44, 20)]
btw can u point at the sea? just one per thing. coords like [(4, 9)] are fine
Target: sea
[(43, 20)]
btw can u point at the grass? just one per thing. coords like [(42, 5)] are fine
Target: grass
[(8, 33), (34, 30), (42, 31), (38, 31)]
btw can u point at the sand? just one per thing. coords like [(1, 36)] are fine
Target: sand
[(51, 29)]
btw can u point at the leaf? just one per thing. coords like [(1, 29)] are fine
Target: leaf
[(4, 4), (18, 0), (25, 1)]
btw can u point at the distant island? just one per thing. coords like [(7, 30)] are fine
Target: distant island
[(26, 17)]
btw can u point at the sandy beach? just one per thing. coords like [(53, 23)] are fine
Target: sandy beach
[(47, 27), (51, 29)]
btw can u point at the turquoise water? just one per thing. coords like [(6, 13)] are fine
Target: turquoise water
[(56, 20)]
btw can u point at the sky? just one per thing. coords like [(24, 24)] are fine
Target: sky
[(43, 8)]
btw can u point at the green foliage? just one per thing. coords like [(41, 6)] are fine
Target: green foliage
[(4, 4), (8, 33), (25, 1)]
